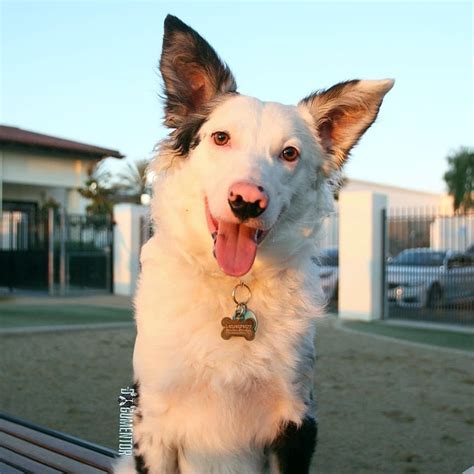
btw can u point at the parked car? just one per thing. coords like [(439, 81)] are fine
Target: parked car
[(423, 277), (328, 262)]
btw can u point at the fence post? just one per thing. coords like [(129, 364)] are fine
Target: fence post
[(110, 254), (127, 235), (51, 251), (361, 255), (383, 263), (62, 253)]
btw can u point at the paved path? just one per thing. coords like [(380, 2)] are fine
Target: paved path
[(20, 331), (107, 300), (429, 325), (338, 324)]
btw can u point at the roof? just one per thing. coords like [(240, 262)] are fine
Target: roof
[(392, 187), (13, 136)]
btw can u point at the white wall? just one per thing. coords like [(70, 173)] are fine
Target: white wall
[(37, 177), (401, 197), (127, 233), (452, 233), (68, 198), (39, 169), (1, 180), (360, 255)]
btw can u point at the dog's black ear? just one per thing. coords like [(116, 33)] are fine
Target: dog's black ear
[(192, 72), (343, 113)]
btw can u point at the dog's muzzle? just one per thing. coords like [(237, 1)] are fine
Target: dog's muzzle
[(247, 200)]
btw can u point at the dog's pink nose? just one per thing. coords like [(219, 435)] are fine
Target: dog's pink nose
[(247, 200)]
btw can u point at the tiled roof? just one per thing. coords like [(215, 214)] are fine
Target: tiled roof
[(13, 136)]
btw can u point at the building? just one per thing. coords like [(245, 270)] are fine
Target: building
[(37, 168), (404, 201), (399, 197)]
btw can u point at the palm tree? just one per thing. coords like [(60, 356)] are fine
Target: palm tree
[(460, 179), (98, 189), (133, 178)]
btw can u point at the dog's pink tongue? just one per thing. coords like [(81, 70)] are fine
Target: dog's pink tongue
[(235, 248)]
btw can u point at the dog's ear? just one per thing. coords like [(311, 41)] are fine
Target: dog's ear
[(343, 113), (192, 72)]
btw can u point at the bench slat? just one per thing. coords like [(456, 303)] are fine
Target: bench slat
[(7, 469), (24, 463), (60, 446), (50, 458)]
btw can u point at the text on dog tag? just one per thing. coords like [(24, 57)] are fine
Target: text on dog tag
[(238, 328)]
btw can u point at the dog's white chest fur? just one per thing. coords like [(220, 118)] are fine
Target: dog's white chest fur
[(211, 394)]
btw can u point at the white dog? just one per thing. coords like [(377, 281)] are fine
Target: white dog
[(225, 383)]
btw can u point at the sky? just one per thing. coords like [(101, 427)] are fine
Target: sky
[(87, 71)]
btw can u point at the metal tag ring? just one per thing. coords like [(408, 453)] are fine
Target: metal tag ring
[(234, 291)]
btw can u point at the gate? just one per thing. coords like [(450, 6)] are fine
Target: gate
[(88, 250), (55, 252), (24, 250), (429, 269)]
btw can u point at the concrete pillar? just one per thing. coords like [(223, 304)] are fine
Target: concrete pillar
[(60, 195), (75, 203), (127, 237), (1, 183), (360, 255)]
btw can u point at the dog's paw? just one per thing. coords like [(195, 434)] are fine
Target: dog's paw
[(124, 465)]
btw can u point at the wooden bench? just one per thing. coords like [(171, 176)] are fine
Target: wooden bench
[(28, 448)]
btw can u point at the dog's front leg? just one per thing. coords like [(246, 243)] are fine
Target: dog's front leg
[(155, 459), (294, 447), (151, 455)]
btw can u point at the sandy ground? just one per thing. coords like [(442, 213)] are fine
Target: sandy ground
[(384, 407)]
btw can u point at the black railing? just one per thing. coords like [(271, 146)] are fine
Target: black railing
[(56, 252), (146, 230), (429, 269)]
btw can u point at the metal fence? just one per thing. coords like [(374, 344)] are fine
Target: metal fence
[(146, 229), (429, 270), (56, 252), (328, 260)]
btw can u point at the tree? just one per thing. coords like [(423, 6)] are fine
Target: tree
[(133, 178), (106, 186), (460, 179), (98, 189), (49, 203)]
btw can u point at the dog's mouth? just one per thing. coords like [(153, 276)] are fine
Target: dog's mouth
[(235, 245)]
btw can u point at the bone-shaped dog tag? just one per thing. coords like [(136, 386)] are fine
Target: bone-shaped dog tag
[(244, 322), (238, 328)]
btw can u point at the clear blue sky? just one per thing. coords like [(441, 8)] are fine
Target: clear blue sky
[(87, 71)]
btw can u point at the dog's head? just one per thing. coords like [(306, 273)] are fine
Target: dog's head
[(248, 180)]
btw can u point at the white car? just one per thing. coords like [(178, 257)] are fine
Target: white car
[(423, 277)]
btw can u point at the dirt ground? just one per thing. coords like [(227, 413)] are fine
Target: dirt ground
[(384, 407)]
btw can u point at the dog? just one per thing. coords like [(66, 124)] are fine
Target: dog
[(228, 294)]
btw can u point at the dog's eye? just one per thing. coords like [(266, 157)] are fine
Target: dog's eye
[(290, 153), (220, 138)]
